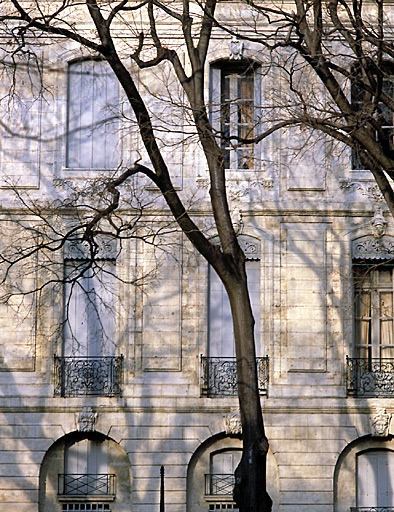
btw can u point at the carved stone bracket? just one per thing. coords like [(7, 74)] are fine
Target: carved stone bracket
[(86, 420), (81, 249), (380, 423), (232, 423), (250, 247)]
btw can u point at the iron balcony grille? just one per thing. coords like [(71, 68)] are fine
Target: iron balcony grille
[(81, 376), (369, 378), (219, 485), (87, 485), (219, 376)]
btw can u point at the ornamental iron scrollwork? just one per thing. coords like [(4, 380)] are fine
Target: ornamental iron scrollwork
[(219, 485), (219, 376), (87, 484), (82, 376), (370, 377)]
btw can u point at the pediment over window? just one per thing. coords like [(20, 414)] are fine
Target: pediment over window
[(81, 249), (372, 248)]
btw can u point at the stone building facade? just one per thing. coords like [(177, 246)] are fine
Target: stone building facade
[(87, 419)]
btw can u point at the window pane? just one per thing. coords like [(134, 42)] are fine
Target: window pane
[(237, 116), (360, 98), (386, 323), (363, 324)]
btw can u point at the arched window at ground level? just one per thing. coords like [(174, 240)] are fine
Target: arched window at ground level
[(364, 476), (85, 472), (210, 490)]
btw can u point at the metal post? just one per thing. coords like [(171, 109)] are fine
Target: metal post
[(162, 489)]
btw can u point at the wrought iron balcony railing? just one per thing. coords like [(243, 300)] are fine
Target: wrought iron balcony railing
[(219, 485), (87, 485), (370, 377), (219, 376), (371, 509), (81, 376)]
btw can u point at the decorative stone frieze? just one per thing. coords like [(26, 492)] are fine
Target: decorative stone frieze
[(86, 420), (367, 188), (371, 248), (380, 423)]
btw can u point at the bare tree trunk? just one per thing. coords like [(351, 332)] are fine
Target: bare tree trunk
[(250, 476)]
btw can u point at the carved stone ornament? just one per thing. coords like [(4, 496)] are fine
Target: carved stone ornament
[(236, 49), (380, 423), (367, 188), (232, 423), (81, 250), (87, 419), (378, 224), (372, 248), (250, 247)]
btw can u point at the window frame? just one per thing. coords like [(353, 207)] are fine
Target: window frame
[(371, 321), (230, 68), (89, 281), (360, 96)]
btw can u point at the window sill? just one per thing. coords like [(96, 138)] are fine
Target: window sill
[(88, 169), (223, 498), (85, 498)]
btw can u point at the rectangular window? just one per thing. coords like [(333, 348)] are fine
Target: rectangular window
[(362, 102), (89, 308), (374, 313), (220, 322), (92, 116), (88, 365), (234, 101)]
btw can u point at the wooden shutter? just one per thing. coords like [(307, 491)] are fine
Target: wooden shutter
[(375, 479), (224, 463), (220, 331), (90, 328), (92, 140), (220, 334)]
